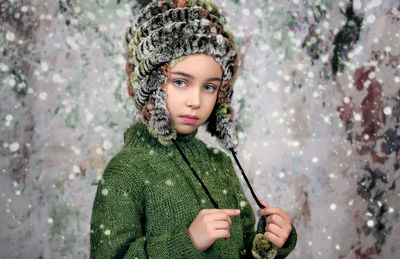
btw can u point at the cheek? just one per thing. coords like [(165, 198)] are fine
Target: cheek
[(211, 103), (171, 99)]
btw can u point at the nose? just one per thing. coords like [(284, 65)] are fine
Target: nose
[(194, 98)]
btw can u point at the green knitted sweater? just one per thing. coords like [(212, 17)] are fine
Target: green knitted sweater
[(148, 197)]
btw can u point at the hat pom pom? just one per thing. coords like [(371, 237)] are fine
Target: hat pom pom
[(262, 248)]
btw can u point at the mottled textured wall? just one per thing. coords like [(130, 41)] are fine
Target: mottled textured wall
[(318, 109)]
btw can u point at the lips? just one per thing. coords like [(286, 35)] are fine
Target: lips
[(190, 116), (190, 119)]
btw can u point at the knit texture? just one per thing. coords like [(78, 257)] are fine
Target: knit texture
[(147, 198)]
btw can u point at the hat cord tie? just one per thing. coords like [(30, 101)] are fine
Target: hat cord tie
[(205, 188)]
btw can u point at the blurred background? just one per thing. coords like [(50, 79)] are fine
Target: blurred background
[(317, 107)]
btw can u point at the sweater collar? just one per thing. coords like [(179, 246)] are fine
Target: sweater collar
[(140, 129)]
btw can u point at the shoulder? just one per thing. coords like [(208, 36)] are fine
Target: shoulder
[(217, 154), (124, 168)]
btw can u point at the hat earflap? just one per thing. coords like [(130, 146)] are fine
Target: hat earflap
[(220, 124), (159, 124)]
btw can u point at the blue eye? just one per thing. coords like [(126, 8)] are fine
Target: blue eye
[(210, 88), (181, 83)]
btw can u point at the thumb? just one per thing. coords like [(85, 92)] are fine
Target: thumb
[(264, 203)]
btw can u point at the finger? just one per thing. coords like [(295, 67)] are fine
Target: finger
[(276, 230), (274, 239), (221, 216), (278, 211), (221, 233), (231, 212), (276, 219), (221, 225), (264, 203)]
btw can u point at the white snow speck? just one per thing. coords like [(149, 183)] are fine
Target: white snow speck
[(168, 182), (76, 150), (58, 79), (107, 144), (374, 3), (107, 232), (370, 223), (224, 191), (14, 146), (76, 169), (300, 66), (387, 110), (104, 192), (10, 36), (43, 96), (333, 206), (44, 66), (242, 204), (357, 4), (50, 220), (3, 67), (91, 16), (371, 18), (258, 12), (89, 117), (98, 128), (357, 116)]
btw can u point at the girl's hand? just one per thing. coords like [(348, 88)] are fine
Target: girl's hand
[(210, 225), (279, 224)]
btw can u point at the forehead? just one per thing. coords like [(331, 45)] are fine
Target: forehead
[(200, 65)]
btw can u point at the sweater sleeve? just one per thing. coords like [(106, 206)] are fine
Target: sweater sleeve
[(256, 244), (118, 221), (259, 241)]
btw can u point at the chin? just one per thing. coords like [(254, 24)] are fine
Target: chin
[(186, 129)]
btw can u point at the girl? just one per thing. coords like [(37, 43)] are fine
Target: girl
[(166, 194)]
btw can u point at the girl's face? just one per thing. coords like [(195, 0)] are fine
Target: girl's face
[(192, 91)]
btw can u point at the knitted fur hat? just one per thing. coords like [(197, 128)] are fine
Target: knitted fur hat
[(167, 30)]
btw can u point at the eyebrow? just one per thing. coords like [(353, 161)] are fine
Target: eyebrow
[(191, 77)]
